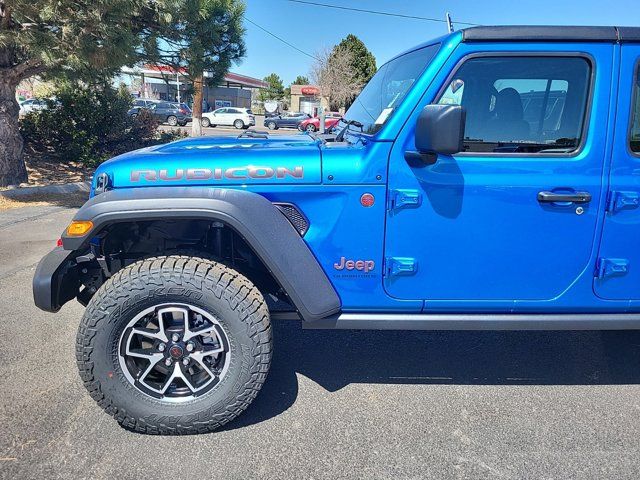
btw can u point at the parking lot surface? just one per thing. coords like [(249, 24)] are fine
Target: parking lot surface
[(337, 404), (228, 131)]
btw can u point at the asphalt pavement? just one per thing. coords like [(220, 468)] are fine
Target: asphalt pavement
[(337, 404), (229, 131)]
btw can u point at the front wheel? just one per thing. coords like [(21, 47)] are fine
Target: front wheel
[(206, 122), (175, 345), (310, 128), (239, 124), (272, 125)]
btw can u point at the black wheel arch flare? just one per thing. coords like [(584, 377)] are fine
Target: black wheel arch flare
[(273, 238)]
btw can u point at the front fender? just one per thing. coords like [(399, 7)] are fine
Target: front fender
[(252, 216)]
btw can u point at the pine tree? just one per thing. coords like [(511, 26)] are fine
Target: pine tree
[(275, 90), (202, 40), (363, 62), (301, 80), (81, 38), (93, 39)]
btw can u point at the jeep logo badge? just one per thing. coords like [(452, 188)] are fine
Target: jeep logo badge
[(365, 266)]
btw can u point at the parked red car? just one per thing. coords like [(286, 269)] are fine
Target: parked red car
[(313, 124)]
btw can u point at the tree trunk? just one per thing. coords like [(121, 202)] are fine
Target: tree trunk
[(12, 168), (196, 122)]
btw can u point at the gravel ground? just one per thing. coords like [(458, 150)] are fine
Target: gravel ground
[(553, 405)]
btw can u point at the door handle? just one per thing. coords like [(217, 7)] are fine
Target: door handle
[(552, 197)]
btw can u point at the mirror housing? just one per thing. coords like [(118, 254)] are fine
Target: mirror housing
[(439, 130)]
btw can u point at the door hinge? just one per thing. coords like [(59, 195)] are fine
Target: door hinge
[(400, 266), (608, 267), (404, 198), (622, 201)]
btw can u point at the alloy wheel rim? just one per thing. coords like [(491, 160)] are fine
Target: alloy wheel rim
[(174, 352)]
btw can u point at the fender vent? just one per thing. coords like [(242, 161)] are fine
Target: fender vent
[(295, 216)]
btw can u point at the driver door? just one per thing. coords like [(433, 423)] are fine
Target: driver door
[(471, 231)]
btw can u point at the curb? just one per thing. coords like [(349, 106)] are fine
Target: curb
[(59, 189)]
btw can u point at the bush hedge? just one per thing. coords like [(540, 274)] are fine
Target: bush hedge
[(90, 124)]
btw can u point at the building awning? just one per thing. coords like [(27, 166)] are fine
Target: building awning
[(162, 71)]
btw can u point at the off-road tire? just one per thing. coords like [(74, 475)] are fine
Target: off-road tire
[(221, 291)]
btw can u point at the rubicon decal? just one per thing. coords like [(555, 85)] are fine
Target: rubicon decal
[(365, 266), (247, 172)]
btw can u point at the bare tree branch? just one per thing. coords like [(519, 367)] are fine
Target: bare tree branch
[(333, 73)]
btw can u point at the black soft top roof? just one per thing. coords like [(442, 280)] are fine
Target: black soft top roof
[(524, 33)]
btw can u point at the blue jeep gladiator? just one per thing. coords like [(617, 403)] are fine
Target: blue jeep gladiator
[(488, 179)]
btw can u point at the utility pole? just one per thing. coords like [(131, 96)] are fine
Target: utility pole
[(449, 23), (321, 116)]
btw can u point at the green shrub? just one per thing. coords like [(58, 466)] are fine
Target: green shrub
[(90, 124)]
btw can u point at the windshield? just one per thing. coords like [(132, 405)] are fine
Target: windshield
[(388, 87)]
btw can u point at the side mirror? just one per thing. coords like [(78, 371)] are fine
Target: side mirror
[(439, 130)]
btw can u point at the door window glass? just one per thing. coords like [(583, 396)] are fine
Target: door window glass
[(634, 137), (521, 104)]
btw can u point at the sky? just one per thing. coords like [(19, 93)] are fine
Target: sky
[(312, 28)]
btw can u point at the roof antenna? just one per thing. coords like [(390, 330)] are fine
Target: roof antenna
[(449, 23)]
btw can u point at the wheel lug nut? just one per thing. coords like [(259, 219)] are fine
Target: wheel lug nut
[(190, 347), (168, 362), (185, 362), (175, 337), (161, 347)]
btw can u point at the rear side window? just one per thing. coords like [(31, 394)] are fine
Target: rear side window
[(634, 137), (522, 104)]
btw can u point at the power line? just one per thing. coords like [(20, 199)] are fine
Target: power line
[(281, 39), (376, 12)]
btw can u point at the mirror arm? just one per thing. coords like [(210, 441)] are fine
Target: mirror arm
[(414, 158)]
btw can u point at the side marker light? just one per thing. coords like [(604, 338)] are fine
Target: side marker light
[(367, 200), (79, 228)]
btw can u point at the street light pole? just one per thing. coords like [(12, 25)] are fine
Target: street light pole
[(178, 84)]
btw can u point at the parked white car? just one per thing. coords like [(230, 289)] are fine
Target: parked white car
[(32, 105), (227, 116)]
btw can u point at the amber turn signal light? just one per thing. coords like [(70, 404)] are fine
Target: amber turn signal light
[(79, 228)]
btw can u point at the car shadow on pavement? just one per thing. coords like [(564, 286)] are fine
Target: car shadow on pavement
[(334, 359)]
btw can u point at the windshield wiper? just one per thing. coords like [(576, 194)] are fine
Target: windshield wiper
[(341, 134)]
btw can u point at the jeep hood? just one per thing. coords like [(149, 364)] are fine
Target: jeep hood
[(218, 161)]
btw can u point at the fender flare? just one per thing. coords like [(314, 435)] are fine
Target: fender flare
[(258, 221)]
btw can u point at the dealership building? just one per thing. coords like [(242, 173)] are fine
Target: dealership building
[(165, 83)]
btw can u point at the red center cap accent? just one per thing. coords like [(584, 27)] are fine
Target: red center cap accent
[(175, 351)]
